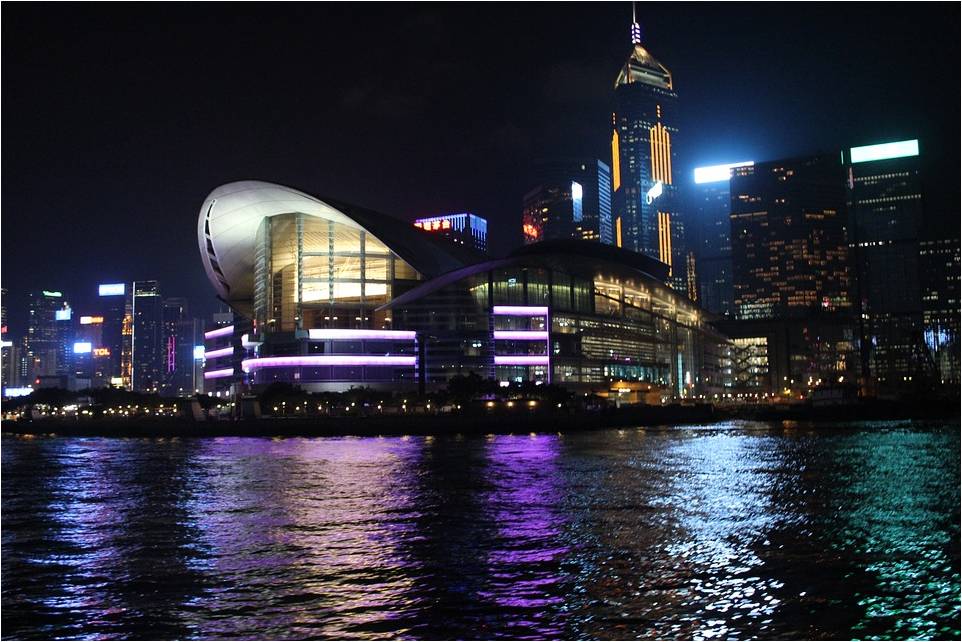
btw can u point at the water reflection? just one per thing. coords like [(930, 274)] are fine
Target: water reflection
[(732, 531)]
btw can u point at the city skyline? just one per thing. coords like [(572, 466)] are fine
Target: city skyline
[(131, 172)]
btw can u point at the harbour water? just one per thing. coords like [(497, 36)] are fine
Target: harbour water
[(736, 530)]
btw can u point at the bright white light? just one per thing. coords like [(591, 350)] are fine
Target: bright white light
[(82, 347), (17, 392), (111, 289), (576, 190), (717, 173), (656, 190), (898, 149)]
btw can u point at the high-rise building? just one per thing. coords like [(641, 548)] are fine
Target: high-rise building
[(113, 303), (147, 354), (886, 220), (463, 229), (8, 351), (643, 150), (710, 236), (939, 265), (572, 200), (180, 336), (48, 334), (790, 273), (788, 238)]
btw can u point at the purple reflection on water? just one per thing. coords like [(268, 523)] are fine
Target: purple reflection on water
[(523, 505)]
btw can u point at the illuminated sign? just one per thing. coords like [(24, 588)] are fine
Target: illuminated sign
[(62, 315), (434, 225), (117, 382), (718, 173), (91, 320), (198, 353), (530, 231), (52, 294), (577, 194), (101, 352), (82, 347), (885, 151), (17, 392), (112, 289), (656, 190)]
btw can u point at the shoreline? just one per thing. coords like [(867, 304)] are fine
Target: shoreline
[(479, 423)]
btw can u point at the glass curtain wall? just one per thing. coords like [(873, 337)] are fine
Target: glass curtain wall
[(314, 273)]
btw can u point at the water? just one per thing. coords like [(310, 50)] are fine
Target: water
[(732, 531)]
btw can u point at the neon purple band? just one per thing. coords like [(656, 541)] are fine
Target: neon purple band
[(327, 360), (213, 354), (521, 360), (332, 333), (217, 374), (521, 335), (219, 332), (520, 310)]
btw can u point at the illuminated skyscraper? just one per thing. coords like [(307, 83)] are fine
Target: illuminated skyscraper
[(147, 339), (572, 200), (788, 238), (113, 303), (48, 334), (710, 236), (643, 141), (181, 334), (886, 222)]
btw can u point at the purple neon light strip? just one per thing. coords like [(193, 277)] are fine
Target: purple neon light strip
[(333, 333), (217, 374), (327, 360), (520, 310), (219, 332), (521, 335), (213, 354), (521, 360)]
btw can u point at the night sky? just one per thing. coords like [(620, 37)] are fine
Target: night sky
[(119, 119)]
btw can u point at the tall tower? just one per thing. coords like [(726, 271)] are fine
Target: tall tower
[(643, 162)]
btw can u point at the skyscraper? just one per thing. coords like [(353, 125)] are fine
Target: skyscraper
[(790, 273), (886, 220), (572, 200), (643, 139), (48, 334), (113, 299), (939, 265), (180, 335), (147, 338), (710, 236)]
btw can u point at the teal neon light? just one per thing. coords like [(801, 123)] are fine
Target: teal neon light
[(885, 151)]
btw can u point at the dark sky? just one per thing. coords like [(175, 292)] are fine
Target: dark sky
[(119, 119)]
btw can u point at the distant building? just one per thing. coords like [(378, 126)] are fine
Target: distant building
[(572, 200), (463, 229), (710, 236), (48, 334), (886, 221), (939, 265), (114, 300), (181, 333), (790, 271), (646, 214), (147, 337)]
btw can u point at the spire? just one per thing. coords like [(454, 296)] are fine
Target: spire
[(635, 29)]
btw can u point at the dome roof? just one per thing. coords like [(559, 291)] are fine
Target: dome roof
[(231, 215)]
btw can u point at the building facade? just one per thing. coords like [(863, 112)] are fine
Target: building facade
[(791, 277), (710, 237), (328, 296), (886, 222), (464, 229), (147, 337), (644, 162), (571, 201), (939, 267), (48, 335)]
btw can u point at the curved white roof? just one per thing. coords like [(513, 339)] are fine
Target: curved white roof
[(231, 214)]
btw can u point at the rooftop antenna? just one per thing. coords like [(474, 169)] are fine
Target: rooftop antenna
[(635, 29)]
